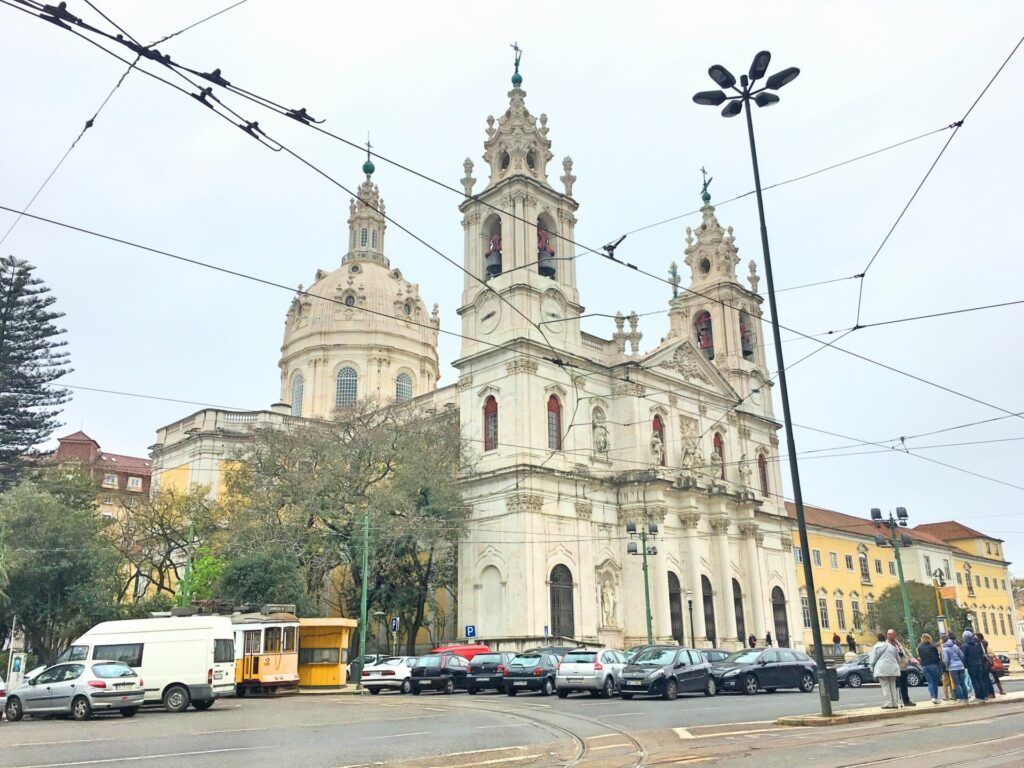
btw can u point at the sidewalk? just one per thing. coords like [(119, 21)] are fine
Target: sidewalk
[(877, 713)]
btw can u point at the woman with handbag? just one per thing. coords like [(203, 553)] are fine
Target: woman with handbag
[(884, 661)]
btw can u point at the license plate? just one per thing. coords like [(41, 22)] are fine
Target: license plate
[(632, 683), (575, 679), (124, 685), (218, 675), (485, 679), (520, 683)]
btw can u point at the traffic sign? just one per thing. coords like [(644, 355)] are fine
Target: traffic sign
[(394, 625), (470, 630)]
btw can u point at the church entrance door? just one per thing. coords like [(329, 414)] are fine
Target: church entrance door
[(675, 608), (709, 610), (562, 620), (781, 622)]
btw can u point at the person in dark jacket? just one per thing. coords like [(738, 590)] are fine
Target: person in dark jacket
[(768, 639), (974, 661), (851, 642), (992, 673), (752, 641), (901, 682), (931, 665), (953, 660)]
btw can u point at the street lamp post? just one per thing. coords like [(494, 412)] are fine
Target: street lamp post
[(938, 582), (689, 603), (651, 531), (894, 541), (761, 96)]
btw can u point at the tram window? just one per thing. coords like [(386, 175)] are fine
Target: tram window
[(252, 641), (318, 656), (129, 653), (289, 639), (272, 640), (223, 651)]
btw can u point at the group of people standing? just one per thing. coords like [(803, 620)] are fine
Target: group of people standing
[(968, 665)]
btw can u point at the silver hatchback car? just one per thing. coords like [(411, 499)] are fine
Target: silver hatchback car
[(594, 671), (78, 689)]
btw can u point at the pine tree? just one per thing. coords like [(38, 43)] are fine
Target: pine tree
[(31, 358)]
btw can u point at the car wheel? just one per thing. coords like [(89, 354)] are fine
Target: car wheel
[(14, 710), (373, 691), (406, 686), (449, 687), (176, 698), (563, 693), (415, 690), (240, 691), (711, 688), (854, 680), (609, 688), (626, 696), (807, 682), (129, 711), (547, 688), (511, 691), (671, 691), (913, 679), (471, 690), (202, 704), (749, 685), (81, 709)]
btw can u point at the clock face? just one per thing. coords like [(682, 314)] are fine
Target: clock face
[(489, 314), (552, 315)]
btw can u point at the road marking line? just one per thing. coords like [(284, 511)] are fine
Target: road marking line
[(394, 735), (603, 736), (613, 746), (624, 714), (50, 743), (491, 762), (435, 709), (138, 757), (505, 725), (684, 733), (481, 751)]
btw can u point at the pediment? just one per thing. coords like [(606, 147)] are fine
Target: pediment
[(683, 361)]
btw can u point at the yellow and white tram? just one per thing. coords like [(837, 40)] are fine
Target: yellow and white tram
[(266, 650)]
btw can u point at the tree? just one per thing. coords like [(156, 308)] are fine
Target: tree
[(263, 576), (31, 358), (62, 571), (889, 611)]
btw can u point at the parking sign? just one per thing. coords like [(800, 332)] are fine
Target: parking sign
[(394, 625), (470, 630)]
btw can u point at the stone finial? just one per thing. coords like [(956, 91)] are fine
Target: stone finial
[(490, 126), (544, 124), (567, 179), (634, 335), (435, 316), (468, 181), (619, 337), (753, 277), (673, 272)]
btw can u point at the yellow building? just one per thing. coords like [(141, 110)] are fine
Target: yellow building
[(851, 572)]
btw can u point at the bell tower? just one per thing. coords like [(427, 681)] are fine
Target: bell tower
[(518, 235)]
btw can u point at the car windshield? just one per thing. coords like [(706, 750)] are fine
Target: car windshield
[(74, 653), (393, 662), (742, 657), (429, 661), (580, 657), (531, 660), (107, 671), (486, 658), (655, 657)]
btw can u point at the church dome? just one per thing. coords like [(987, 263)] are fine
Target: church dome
[(360, 331)]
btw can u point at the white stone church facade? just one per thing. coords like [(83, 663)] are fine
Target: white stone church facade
[(574, 436)]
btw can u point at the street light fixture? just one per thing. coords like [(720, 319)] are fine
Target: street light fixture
[(894, 541), (689, 603), (651, 531), (744, 94)]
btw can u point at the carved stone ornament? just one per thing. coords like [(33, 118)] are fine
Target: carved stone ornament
[(521, 365), (608, 603), (465, 383), (786, 540), (720, 524), (773, 440), (689, 519), (584, 510), (630, 388), (685, 361), (656, 513), (524, 502), (749, 529)]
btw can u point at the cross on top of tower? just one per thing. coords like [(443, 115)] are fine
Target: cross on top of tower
[(368, 167), (517, 79), (704, 194)]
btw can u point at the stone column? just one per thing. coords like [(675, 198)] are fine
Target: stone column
[(755, 582), (689, 521), (721, 528), (661, 620)]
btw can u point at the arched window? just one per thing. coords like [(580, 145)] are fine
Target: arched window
[(737, 602), (554, 424), (865, 570), (346, 387), (709, 610), (746, 336), (373, 240), (491, 611), (762, 473), (492, 256), (658, 428), (403, 387), (362, 237), (719, 448), (297, 394), (675, 607), (704, 334), (779, 616), (490, 423), (562, 620), (545, 249)]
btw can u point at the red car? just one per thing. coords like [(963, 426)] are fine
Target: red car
[(465, 651)]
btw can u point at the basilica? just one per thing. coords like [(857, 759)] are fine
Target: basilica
[(598, 464)]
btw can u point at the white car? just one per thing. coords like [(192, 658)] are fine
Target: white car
[(593, 671), (390, 674)]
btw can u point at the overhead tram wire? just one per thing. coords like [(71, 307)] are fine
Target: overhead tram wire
[(956, 128)]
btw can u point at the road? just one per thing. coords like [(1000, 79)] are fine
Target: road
[(495, 731)]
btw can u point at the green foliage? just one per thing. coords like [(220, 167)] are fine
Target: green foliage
[(69, 483), (263, 576), (31, 358), (206, 572), (141, 609), (61, 567), (889, 610)]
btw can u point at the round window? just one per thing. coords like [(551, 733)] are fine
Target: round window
[(705, 266), (350, 300), (354, 269), (505, 159)]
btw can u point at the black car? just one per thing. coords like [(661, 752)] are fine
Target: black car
[(856, 672), (487, 672), (714, 655), (667, 671), (439, 672), (531, 672), (765, 668), (556, 650)]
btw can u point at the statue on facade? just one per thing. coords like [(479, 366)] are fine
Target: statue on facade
[(745, 471), (689, 460), (601, 442), (715, 466), (657, 448), (608, 604)]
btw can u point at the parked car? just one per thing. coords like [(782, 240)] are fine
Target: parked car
[(631, 652), (389, 675), (531, 672), (765, 668), (78, 689), (368, 660), (714, 655), (443, 672), (487, 672), (856, 672), (667, 671), (556, 650), (466, 651), (593, 671)]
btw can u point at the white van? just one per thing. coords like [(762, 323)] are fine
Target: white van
[(182, 660)]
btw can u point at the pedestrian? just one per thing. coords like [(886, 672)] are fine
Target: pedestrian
[(901, 682), (953, 658), (851, 642), (974, 661), (884, 661), (768, 639), (993, 666), (837, 644), (752, 641), (931, 665)]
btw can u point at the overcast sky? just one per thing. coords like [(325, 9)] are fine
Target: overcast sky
[(615, 80)]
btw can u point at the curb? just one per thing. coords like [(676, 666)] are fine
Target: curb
[(877, 713), (348, 690)]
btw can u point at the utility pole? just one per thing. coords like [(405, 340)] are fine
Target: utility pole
[(185, 587), (362, 598), (631, 549), (894, 541)]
